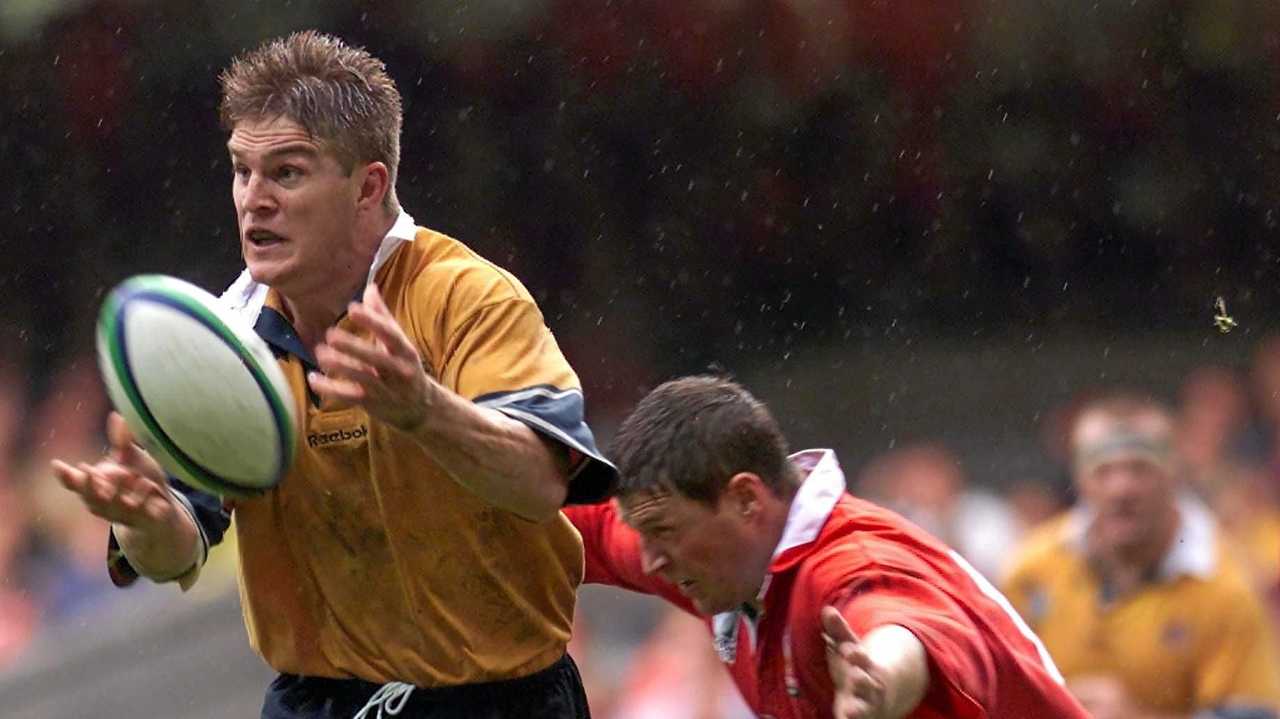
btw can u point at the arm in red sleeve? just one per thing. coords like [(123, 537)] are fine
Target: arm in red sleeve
[(962, 668)]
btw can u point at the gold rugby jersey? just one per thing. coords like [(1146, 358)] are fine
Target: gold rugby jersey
[(367, 560), (1193, 638)]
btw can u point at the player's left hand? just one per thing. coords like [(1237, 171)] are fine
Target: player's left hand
[(859, 692), (382, 372)]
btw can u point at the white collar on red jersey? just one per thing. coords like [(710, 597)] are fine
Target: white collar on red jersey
[(245, 297), (821, 489), (1193, 552)]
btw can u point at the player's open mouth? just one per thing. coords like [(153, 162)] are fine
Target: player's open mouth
[(263, 238)]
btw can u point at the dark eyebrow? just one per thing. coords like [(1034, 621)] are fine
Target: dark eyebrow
[(293, 148)]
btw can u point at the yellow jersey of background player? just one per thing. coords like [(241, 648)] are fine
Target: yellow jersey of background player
[(1193, 637), (1134, 592)]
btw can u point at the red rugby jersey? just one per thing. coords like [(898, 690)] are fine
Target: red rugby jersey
[(879, 569)]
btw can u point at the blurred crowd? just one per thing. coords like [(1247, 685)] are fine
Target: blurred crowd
[(711, 180)]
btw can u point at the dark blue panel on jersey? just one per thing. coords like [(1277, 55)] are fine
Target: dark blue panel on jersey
[(211, 514), (276, 331), (559, 415)]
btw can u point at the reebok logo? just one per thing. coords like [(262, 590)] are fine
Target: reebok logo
[(320, 439)]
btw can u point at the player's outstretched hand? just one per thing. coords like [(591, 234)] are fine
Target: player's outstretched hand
[(382, 372), (859, 692), (126, 487)]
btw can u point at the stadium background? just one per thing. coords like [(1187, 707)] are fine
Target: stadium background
[(913, 221)]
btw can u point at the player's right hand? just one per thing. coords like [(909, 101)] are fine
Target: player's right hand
[(125, 487), (859, 690)]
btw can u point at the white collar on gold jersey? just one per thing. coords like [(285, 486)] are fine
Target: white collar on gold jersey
[(821, 489), (1193, 553), (245, 297)]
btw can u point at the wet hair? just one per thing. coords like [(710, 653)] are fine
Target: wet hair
[(341, 95), (691, 435)]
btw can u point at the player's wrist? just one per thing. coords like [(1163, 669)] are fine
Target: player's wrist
[(416, 422), (160, 547)]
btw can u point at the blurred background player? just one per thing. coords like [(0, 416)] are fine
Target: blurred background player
[(1212, 427), (421, 568), (819, 603), (1134, 592), (926, 484)]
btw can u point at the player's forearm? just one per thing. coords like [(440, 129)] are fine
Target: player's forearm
[(500, 459), (161, 550), (904, 667)]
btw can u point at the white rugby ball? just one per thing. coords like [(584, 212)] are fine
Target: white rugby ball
[(200, 390)]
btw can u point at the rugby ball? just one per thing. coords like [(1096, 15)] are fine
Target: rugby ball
[(200, 390)]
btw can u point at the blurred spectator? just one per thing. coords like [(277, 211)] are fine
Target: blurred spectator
[(677, 675), (1134, 593), (1242, 497), (1266, 393), (69, 580), (1032, 502), (1213, 414), (13, 398), (926, 484), (70, 577), (68, 419), (19, 610)]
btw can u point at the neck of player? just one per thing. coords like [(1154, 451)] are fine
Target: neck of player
[(313, 311), (1125, 567)]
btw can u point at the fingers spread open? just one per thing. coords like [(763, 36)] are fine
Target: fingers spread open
[(383, 325), (72, 478), (343, 364), (835, 626), (336, 389)]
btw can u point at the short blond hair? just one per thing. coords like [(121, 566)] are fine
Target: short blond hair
[(340, 94)]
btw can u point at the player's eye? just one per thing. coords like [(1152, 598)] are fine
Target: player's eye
[(288, 173), (241, 171), (661, 533)]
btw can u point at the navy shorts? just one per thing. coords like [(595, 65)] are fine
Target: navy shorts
[(553, 693)]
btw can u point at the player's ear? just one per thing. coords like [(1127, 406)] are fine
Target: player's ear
[(375, 183), (744, 495)]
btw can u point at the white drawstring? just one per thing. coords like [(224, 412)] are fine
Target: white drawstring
[(391, 696)]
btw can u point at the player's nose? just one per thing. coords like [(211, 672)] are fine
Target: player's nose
[(257, 194), (652, 561)]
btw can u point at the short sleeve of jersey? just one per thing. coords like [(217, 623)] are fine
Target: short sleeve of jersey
[(613, 554), (1239, 670), (503, 357), (211, 516), (961, 668)]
